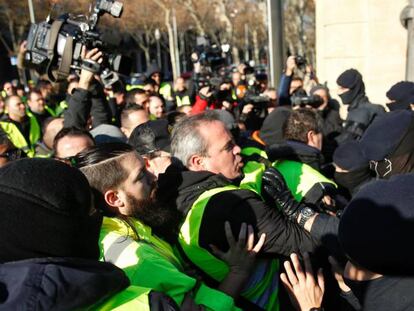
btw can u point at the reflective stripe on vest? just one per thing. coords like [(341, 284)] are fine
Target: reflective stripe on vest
[(262, 286), (17, 138), (131, 298), (130, 87), (184, 101), (115, 243), (51, 111), (300, 177), (137, 257)]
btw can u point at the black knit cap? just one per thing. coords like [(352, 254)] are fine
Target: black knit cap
[(349, 78), (272, 128), (385, 134), (45, 211), (401, 94), (377, 227), (151, 136)]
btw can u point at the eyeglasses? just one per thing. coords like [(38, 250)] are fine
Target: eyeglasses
[(12, 154)]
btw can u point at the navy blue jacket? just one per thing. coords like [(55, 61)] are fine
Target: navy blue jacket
[(57, 283), (283, 92)]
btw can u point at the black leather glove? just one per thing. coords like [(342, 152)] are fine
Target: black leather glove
[(275, 190)]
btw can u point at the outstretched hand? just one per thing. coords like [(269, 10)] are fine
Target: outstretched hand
[(242, 253), (305, 292), (23, 47), (338, 273), (86, 75)]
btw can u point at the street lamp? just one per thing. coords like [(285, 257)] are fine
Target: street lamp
[(31, 12), (407, 18), (157, 35)]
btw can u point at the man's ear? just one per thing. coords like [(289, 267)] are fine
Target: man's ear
[(196, 163), (113, 200), (310, 137), (147, 162), (314, 139)]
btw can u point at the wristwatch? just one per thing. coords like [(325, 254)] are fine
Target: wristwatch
[(305, 214)]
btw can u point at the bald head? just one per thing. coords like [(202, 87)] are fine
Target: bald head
[(131, 118), (51, 127)]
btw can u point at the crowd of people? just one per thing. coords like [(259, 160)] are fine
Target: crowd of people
[(214, 192)]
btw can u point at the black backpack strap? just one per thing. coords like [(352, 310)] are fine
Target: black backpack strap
[(64, 68)]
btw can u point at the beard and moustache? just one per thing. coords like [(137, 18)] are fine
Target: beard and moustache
[(163, 219)]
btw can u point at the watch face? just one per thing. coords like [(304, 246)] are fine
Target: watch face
[(307, 212)]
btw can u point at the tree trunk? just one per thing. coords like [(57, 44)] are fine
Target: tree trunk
[(235, 54), (228, 26), (255, 47), (171, 42), (189, 6), (168, 24)]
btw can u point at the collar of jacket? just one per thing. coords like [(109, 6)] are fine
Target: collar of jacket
[(295, 151), (182, 187)]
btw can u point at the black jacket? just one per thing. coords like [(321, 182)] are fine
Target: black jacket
[(182, 187), (361, 113), (57, 283), (332, 123), (83, 103)]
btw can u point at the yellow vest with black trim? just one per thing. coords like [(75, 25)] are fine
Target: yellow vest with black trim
[(253, 168), (17, 138), (261, 289), (183, 101), (130, 299), (149, 261), (300, 177)]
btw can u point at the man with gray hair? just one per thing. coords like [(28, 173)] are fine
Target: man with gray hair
[(206, 193)]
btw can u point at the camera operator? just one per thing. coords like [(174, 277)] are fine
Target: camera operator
[(215, 94), (289, 84), (88, 99), (252, 110), (328, 110)]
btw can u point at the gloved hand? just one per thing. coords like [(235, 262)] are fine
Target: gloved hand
[(275, 190)]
